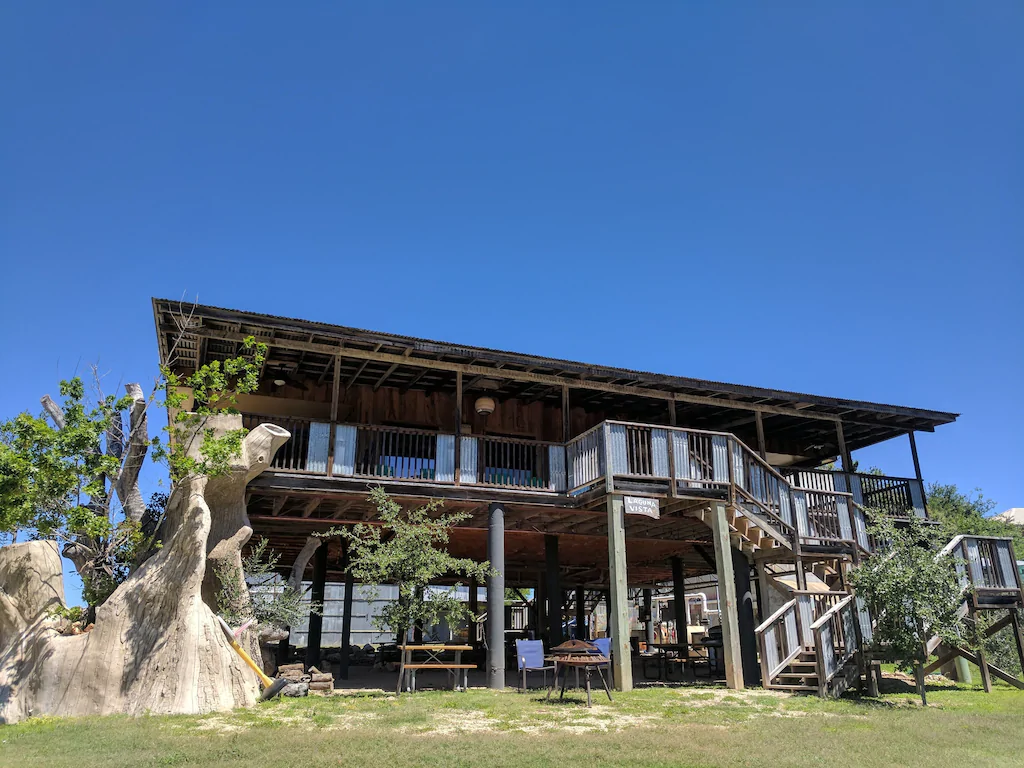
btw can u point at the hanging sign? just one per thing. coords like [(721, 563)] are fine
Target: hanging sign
[(641, 505)]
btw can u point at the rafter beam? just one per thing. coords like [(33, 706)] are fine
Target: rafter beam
[(389, 371), (359, 371)]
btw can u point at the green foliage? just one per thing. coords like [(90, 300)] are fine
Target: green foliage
[(408, 547), (912, 591), (214, 387), (265, 599), (960, 513), (74, 614), (1001, 647)]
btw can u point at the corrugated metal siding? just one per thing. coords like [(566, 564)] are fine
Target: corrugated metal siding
[(659, 452), (739, 476), (866, 633), (862, 527), (843, 510), (344, 450), (468, 460), (856, 490), (720, 458), (974, 562), (785, 504), (620, 457), (681, 454), (556, 462), (917, 498), (800, 510), (1007, 567), (446, 458), (319, 442)]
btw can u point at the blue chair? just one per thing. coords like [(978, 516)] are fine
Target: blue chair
[(530, 658), (604, 648)]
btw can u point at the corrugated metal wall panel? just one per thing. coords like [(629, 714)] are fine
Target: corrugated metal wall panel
[(620, 457), (659, 452), (1007, 567), (917, 497), (681, 454), (446, 458), (974, 561), (317, 448), (556, 462), (468, 460), (344, 450), (720, 458), (739, 476), (800, 511), (843, 510), (856, 490)]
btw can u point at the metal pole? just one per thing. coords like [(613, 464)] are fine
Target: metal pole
[(679, 598), (649, 610), (554, 590), (496, 597), (581, 614), (346, 624), (316, 621)]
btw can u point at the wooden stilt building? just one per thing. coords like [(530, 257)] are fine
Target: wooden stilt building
[(580, 480)]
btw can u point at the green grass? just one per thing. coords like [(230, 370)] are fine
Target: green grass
[(650, 727)]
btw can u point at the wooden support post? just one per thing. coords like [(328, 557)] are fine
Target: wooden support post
[(458, 427), (759, 421), (618, 604), (913, 453), (554, 590), (316, 595), (566, 424), (843, 453), (745, 620), (671, 413), (496, 597), (727, 598), (1018, 634), (679, 599), (346, 623), (986, 677), (581, 614)]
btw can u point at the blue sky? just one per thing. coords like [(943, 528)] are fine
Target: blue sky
[(812, 196)]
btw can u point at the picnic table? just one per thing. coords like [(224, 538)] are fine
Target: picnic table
[(433, 653), (676, 653)]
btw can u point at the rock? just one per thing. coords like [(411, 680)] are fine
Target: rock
[(295, 690)]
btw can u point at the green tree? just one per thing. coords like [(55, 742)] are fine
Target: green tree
[(912, 591), (408, 547), (961, 513), (265, 599), (71, 473)]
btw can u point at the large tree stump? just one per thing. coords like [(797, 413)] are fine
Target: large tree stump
[(156, 646)]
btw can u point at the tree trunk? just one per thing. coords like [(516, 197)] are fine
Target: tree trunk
[(156, 646), (919, 675)]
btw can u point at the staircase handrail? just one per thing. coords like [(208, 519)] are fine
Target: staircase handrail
[(775, 616), (770, 640), (830, 666)]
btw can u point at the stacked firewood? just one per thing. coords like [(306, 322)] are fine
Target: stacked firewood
[(320, 681)]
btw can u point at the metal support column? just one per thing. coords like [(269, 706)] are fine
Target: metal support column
[(316, 621), (346, 624), (745, 620), (679, 598), (496, 597), (553, 590)]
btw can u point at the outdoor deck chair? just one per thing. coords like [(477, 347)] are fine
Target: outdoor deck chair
[(604, 648), (530, 658)]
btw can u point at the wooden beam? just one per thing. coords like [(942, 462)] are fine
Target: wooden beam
[(843, 453), (310, 506), (278, 505), (493, 373), (415, 379), (618, 608), (458, 427), (727, 604), (759, 420), (566, 423), (359, 371), (390, 370), (913, 452), (335, 389)]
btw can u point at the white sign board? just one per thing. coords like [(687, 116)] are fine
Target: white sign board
[(640, 505)]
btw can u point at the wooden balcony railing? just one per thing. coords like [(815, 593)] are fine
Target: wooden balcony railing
[(894, 496), (615, 456), (985, 562)]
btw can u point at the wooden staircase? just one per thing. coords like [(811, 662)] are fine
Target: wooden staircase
[(801, 674)]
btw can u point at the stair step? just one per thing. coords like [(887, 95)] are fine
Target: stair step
[(798, 676), (778, 687), (811, 664)]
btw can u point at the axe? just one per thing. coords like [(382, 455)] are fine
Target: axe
[(271, 688)]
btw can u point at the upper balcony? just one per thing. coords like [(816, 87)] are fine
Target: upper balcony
[(680, 467)]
